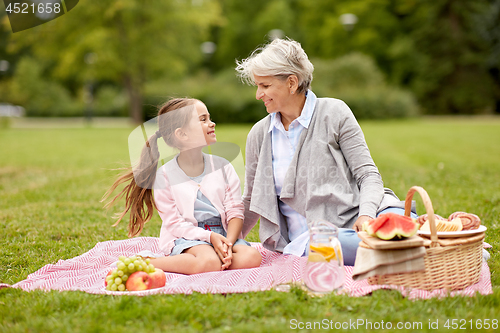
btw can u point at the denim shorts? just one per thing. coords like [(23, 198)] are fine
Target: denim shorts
[(213, 224)]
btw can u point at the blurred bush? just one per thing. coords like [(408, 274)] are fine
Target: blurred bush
[(110, 101), (355, 79), (43, 97), (39, 96)]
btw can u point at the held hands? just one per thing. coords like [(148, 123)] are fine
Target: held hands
[(229, 257), (223, 247), (358, 225)]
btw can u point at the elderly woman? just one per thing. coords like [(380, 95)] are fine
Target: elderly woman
[(307, 159)]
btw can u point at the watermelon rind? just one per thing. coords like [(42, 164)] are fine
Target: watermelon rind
[(408, 227), (365, 226)]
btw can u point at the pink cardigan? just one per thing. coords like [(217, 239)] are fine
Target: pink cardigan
[(175, 194)]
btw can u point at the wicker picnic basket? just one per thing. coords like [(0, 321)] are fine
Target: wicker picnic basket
[(449, 263)]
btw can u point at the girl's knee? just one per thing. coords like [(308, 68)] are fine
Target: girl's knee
[(256, 258), (208, 264), (250, 256)]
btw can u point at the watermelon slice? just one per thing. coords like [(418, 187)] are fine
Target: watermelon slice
[(375, 224), (392, 226)]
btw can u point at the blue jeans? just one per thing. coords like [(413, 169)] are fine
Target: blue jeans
[(349, 239)]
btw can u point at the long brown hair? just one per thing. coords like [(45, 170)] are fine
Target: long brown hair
[(138, 192)]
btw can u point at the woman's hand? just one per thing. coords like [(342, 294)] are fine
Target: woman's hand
[(358, 225), (223, 247)]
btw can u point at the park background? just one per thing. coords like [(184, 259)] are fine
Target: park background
[(422, 77), (384, 58)]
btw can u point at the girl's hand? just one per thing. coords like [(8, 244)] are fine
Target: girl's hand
[(229, 257), (221, 245), (233, 231)]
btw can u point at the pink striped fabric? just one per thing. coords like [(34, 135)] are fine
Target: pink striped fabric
[(87, 272)]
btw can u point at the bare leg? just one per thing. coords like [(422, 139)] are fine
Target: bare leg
[(245, 256), (197, 259)]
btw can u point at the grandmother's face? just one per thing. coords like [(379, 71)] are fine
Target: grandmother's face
[(273, 91)]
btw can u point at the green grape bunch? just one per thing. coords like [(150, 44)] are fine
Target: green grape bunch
[(117, 278)]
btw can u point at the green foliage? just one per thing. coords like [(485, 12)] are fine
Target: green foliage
[(380, 102), (355, 79), (445, 52), (122, 41), (454, 76), (51, 182), (324, 35), (352, 70), (110, 101), (41, 97), (247, 25)]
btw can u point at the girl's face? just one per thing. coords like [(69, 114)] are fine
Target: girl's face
[(273, 91), (200, 131)]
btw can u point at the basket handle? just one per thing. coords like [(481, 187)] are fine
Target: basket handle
[(428, 207)]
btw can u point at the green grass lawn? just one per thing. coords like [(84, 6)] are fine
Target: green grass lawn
[(51, 182)]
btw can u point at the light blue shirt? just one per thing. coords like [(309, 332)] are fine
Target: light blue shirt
[(284, 145), (203, 208)]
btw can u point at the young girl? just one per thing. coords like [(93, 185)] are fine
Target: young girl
[(197, 195)]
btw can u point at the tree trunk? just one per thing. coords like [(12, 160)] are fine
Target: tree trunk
[(135, 100)]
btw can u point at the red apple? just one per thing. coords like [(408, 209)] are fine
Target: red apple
[(138, 281), (158, 279)]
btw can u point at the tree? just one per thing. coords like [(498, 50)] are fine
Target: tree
[(247, 24), (487, 23), (123, 41), (453, 75)]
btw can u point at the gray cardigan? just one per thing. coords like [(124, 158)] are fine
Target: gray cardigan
[(332, 176)]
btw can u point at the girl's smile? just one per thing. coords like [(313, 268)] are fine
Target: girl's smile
[(200, 131), (207, 125)]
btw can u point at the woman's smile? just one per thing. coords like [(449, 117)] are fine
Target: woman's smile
[(273, 92)]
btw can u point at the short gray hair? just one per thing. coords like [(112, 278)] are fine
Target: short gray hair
[(282, 58)]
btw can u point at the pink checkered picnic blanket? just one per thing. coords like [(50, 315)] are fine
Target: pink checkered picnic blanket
[(87, 273)]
